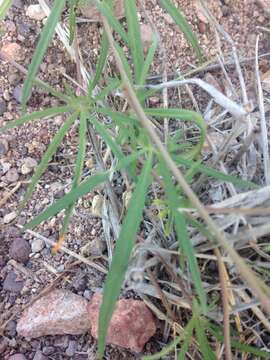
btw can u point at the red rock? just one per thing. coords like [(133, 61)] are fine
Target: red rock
[(57, 313), (131, 326), (12, 50)]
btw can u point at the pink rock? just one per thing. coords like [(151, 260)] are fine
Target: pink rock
[(12, 50), (57, 313), (131, 326)]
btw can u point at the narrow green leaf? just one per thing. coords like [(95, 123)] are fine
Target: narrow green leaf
[(101, 63), (149, 60), (72, 19), (182, 23), (217, 332), (118, 117), (37, 115), (78, 168), (112, 85), (134, 37), (106, 11), (188, 331), (56, 141), (203, 342), (4, 7), (124, 61), (207, 170), (107, 138), (174, 202), (45, 38), (122, 251), (85, 187), (165, 351), (183, 115)]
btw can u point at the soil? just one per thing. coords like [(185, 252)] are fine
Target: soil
[(239, 18)]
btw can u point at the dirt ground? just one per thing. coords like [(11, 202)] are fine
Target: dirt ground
[(240, 18)]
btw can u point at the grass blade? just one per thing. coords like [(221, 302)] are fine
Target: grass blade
[(165, 351), (203, 169), (203, 342), (134, 37), (37, 115), (84, 188), (45, 38), (122, 251), (149, 60), (217, 332), (101, 63), (58, 137), (188, 331), (4, 7), (182, 23), (107, 138), (183, 115), (182, 235), (106, 11)]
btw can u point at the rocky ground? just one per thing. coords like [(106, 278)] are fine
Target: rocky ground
[(28, 270)]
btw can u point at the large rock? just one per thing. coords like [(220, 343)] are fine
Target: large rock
[(90, 11), (131, 326), (60, 312)]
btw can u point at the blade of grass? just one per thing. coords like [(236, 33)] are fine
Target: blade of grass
[(184, 241), (85, 187), (203, 342), (204, 169), (107, 12), (45, 38), (134, 37), (37, 115), (165, 351), (148, 61), (56, 141), (183, 115), (122, 251), (249, 349), (113, 85), (182, 23), (4, 7), (101, 63), (188, 331)]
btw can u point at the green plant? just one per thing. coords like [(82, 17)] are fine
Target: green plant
[(137, 150)]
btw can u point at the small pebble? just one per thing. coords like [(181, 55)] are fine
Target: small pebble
[(48, 350), (28, 165), (11, 283), (20, 250), (10, 217), (17, 93), (71, 349), (3, 146), (40, 356), (3, 107), (35, 12), (12, 175), (37, 245)]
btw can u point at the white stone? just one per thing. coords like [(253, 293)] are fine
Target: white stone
[(37, 245), (35, 12), (9, 217)]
